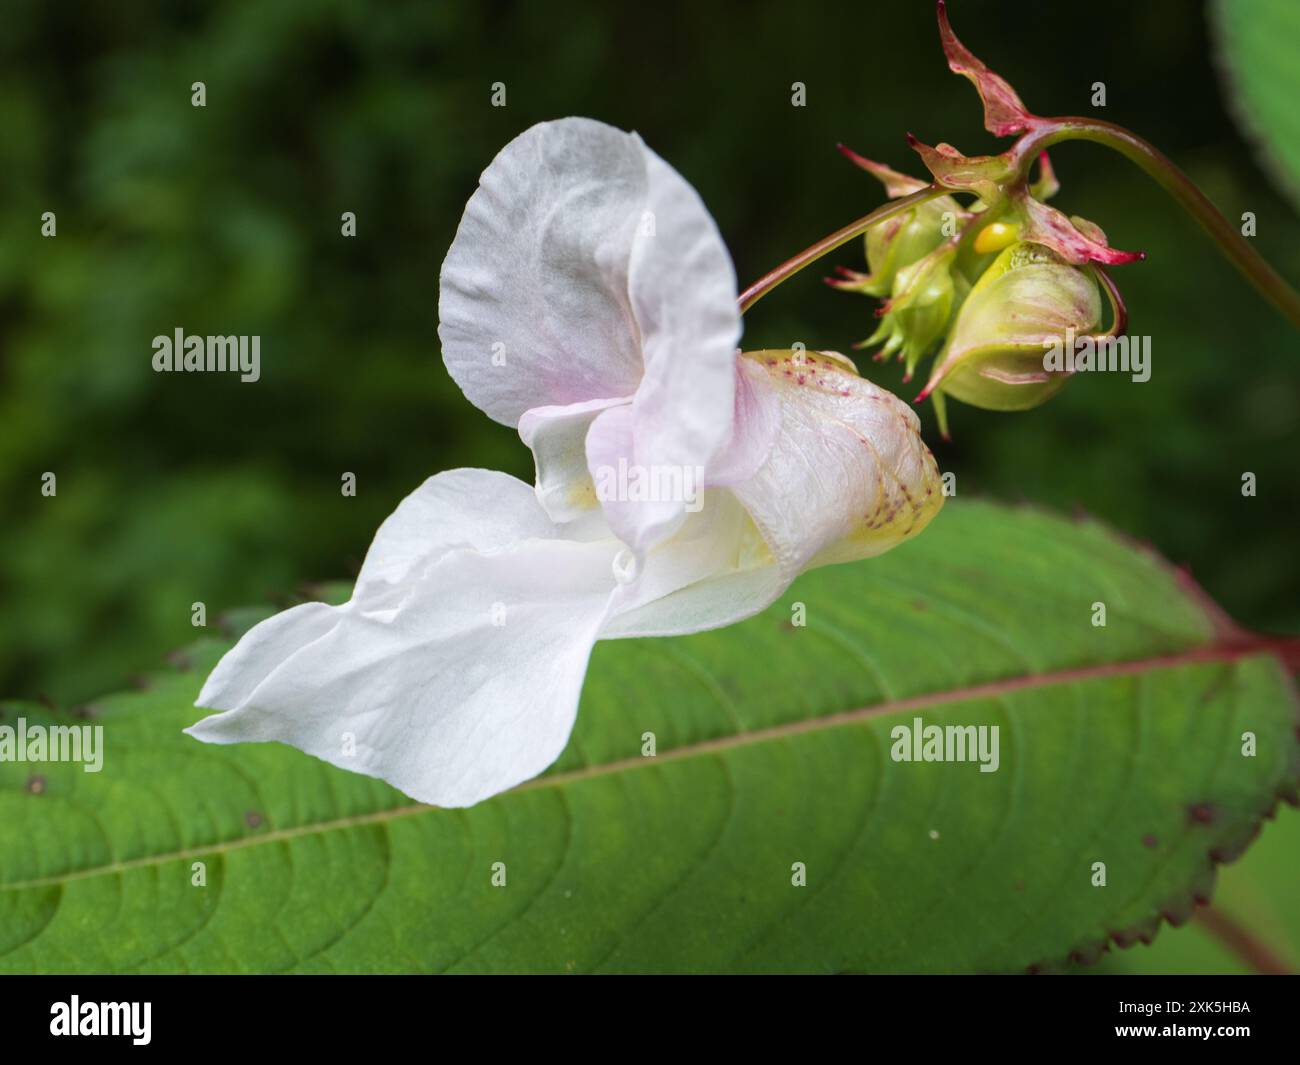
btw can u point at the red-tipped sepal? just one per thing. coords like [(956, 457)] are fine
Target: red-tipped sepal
[(1075, 240), (1004, 113), (896, 185), (983, 175)]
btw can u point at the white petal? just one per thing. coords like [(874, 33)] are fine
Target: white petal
[(593, 270), (468, 687), (714, 571), (684, 297), (480, 509), (538, 272), (557, 437), (644, 502), (244, 666), (713, 603)]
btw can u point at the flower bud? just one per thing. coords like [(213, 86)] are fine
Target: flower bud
[(848, 476), (994, 356), (924, 297), (898, 243)]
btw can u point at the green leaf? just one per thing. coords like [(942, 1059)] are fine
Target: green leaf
[(1253, 925), (1256, 45), (1119, 744)]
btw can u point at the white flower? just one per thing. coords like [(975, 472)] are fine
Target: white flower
[(589, 300)]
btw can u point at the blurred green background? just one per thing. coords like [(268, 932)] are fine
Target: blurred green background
[(226, 219)]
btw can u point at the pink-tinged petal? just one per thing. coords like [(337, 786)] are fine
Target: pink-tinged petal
[(644, 501), (465, 685), (592, 269), (534, 306), (1076, 244), (557, 437), (895, 183), (849, 476), (533, 301), (754, 430), (1004, 114), (684, 298)]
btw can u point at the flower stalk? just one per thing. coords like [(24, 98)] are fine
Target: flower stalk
[(828, 244), (1170, 177)]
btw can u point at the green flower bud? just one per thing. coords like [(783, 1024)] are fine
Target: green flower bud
[(924, 298), (897, 243), (994, 356)]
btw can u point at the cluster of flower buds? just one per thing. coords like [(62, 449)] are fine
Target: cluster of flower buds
[(989, 286)]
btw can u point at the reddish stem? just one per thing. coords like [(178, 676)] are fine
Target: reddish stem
[(792, 266)]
